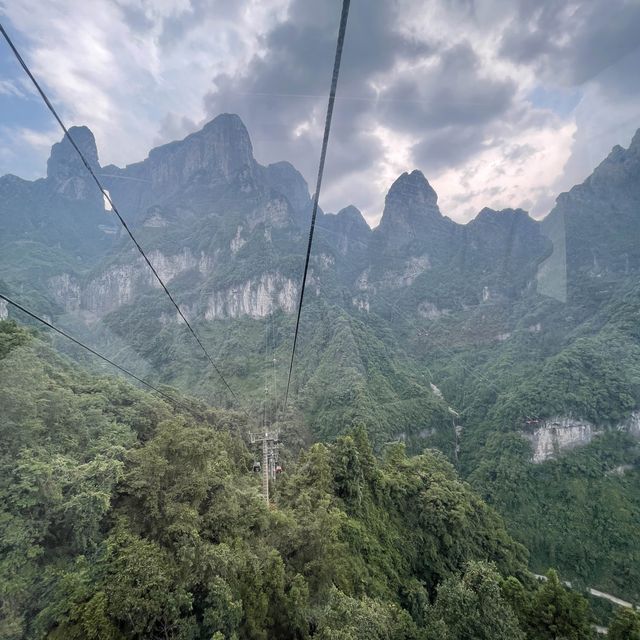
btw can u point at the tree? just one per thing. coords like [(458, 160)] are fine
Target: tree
[(472, 606), (346, 618), (558, 613), (11, 336), (625, 625), (143, 587)]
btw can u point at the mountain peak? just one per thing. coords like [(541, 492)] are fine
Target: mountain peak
[(351, 211), (620, 166), (219, 150), (351, 218), (64, 161), (410, 209), (413, 189), (286, 179), (411, 198), (231, 121), (230, 128)]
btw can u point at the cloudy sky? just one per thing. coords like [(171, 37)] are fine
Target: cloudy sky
[(499, 102)]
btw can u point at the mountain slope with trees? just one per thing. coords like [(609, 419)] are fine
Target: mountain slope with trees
[(124, 517), (477, 339)]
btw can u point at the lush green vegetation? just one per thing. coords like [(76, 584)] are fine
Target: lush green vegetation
[(347, 371), (355, 370), (625, 625), (123, 517), (579, 512)]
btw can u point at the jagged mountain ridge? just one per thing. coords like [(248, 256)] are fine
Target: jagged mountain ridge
[(228, 235), (600, 216), (201, 204)]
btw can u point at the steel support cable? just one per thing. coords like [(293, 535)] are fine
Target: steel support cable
[(316, 197), (107, 197), (51, 326)]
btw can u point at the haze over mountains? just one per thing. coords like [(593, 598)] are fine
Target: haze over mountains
[(208, 196), (509, 343)]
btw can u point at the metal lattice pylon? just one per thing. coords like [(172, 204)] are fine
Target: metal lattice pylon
[(269, 440)]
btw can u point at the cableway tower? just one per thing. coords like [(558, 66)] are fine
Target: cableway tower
[(269, 467)]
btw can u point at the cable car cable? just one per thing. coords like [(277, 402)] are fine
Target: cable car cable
[(51, 326), (107, 197), (316, 197)]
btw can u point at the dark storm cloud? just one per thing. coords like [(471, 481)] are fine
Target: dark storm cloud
[(287, 85), (572, 43), (448, 147), (450, 91)]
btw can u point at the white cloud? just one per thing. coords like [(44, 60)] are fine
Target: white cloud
[(9, 88), (515, 173), (42, 140), (454, 79), (114, 67)]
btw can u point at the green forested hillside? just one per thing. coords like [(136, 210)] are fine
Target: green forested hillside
[(125, 518), (348, 369), (581, 511), (469, 338)]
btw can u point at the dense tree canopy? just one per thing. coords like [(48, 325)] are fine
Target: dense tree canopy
[(123, 517)]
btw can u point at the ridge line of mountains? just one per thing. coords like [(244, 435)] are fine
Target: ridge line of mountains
[(212, 176)]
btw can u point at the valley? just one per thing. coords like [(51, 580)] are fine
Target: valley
[(510, 345)]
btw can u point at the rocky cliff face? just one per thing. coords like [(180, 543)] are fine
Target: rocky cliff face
[(218, 151), (62, 217), (559, 434), (284, 178), (114, 288), (185, 173), (598, 219), (346, 231), (510, 237), (204, 204), (411, 215), (66, 172), (66, 291), (121, 284), (256, 298), (562, 433)]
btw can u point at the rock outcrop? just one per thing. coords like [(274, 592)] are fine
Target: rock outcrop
[(561, 433), (256, 298), (284, 178), (411, 212), (66, 173)]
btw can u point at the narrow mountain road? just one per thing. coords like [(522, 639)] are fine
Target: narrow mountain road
[(610, 598), (597, 594)]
